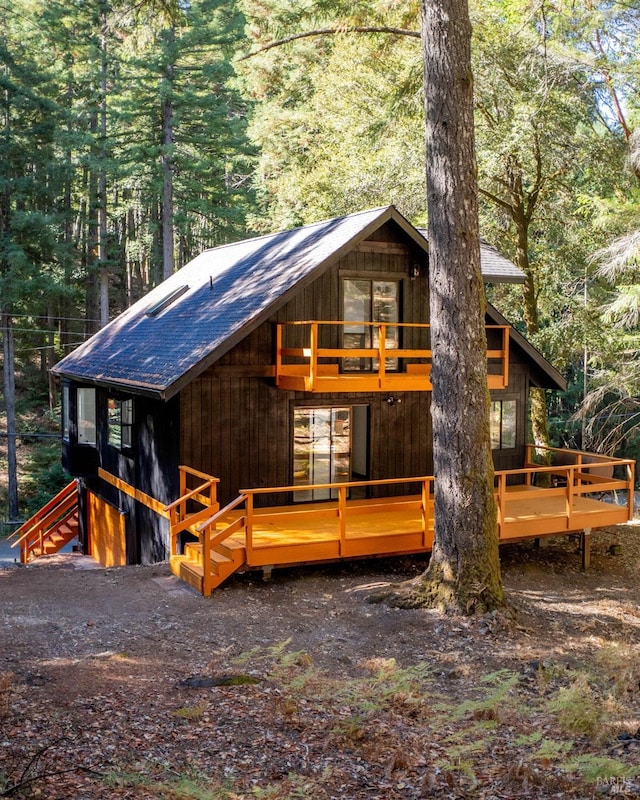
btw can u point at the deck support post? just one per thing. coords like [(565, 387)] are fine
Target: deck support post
[(342, 519), (585, 548)]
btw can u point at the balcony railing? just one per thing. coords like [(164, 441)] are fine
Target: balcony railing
[(313, 356)]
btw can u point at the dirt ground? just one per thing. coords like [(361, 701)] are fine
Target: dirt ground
[(125, 683)]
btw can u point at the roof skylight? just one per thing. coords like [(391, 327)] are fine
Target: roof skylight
[(165, 301)]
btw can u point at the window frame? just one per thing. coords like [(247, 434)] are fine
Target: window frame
[(372, 277), (120, 420), (501, 446), (86, 416)]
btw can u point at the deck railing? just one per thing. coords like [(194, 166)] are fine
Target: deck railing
[(587, 475), (338, 510), (566, 474), (182, 514), (310, 367)]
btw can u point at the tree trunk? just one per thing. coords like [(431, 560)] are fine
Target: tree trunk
[(10, 409), (168, 258), (102, 181), (537, 397), (464, 570)]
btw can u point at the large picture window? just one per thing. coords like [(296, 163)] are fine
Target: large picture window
[(86, 413), (503, 424), (120, 419), (366, 300)]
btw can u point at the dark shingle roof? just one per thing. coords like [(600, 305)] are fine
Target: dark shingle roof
[(186, 323), (494, 266)]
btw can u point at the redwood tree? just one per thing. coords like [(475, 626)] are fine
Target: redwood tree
[(464, 570)]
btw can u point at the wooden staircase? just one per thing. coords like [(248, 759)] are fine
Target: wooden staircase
[(50, 528), (208, 556), (224, 559)]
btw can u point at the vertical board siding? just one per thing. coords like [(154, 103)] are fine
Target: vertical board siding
[(238, 428), (107, 534)]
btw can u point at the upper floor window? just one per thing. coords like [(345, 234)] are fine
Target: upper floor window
[(370, 300), (86, 413), (503, 424), (120, 421)]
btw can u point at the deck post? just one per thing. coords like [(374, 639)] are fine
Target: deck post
[(313, 361), (585, 548), (249, 527), (424, 511), (205, 536), (342, 518), (382, 364), (571, 477)]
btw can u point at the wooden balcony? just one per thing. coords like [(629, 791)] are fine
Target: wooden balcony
[(314, 357), (243, 536)]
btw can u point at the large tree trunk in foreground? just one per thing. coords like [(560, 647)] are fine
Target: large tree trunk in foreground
[(464, 571)]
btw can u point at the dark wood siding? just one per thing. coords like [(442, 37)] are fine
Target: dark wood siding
[(250, 446), (151, 466), (237, 426)]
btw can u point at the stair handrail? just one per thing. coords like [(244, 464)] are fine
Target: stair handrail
[(52, 517), (176, 511), (208, 542), (68, 490)]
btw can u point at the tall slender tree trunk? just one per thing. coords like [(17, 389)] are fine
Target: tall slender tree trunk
[(102, 180), (168, 257), (537, 397), (8, 361), (464, 570)]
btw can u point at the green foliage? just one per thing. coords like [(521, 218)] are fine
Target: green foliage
[(578, 708)]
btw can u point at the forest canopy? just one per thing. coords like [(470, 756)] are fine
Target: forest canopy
[(133, 137)]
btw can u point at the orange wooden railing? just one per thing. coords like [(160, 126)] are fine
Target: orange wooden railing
[(180, 512), (317, 368), (338, 509), (589, 474), (32, 534)]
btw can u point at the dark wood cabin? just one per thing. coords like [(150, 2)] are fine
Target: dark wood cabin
[(299, 358)]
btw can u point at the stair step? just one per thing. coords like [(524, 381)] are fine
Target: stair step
[(233, 549), (188, 571), (219, 561)]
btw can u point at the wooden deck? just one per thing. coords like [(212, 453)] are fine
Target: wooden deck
[(244, 536)]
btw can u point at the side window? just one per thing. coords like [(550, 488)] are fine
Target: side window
[(86, 411), (120, 421), (503, 424), (66, 413)]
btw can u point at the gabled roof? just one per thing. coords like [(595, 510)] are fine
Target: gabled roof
[(191, 319)]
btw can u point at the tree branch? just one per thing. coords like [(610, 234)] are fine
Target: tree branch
[(496, 200), (332, 32)]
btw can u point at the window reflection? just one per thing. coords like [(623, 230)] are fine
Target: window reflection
[(321, 450), (370, 301)]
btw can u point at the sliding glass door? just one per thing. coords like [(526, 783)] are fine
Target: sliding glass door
[(323, 448)]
